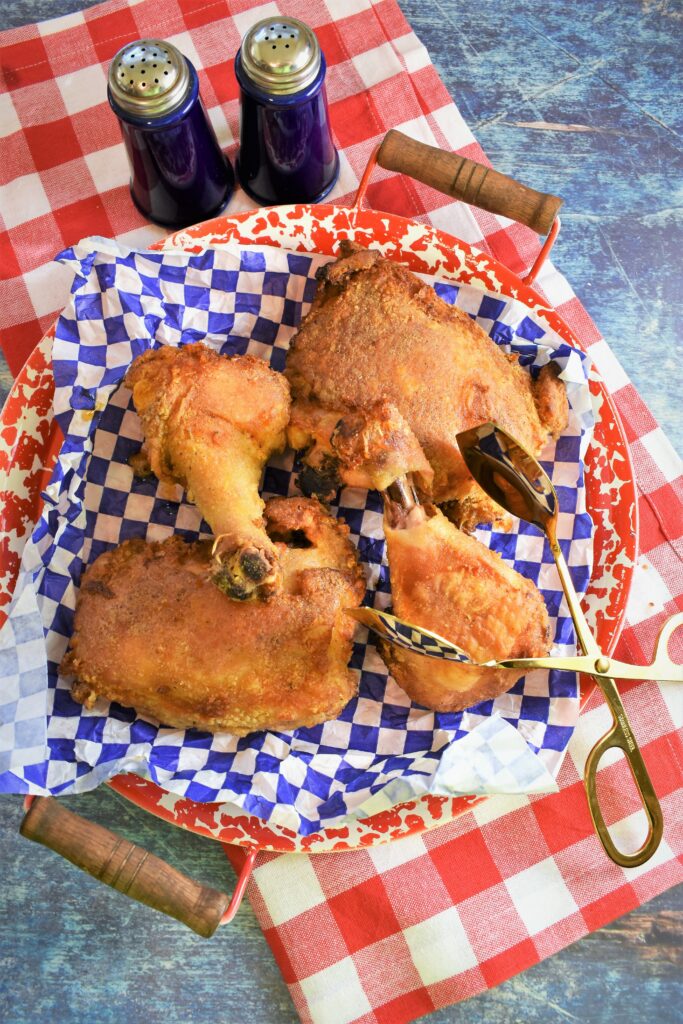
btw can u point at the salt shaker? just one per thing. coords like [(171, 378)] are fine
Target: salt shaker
[(178, 173), (286, 150)]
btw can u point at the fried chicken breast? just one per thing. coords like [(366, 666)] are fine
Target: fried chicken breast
[(376, 333), (153, 633), (211, 422)]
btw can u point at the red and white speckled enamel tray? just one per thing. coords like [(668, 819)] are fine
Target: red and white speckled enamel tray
[(29, 441)]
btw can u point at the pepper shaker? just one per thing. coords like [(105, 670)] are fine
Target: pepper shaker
[(179, 174), (286, 150)]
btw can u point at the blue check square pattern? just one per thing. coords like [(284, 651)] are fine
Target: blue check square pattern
[(250, 300)]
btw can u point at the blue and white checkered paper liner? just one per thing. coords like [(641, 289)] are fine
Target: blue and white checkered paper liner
[(492, 758), (239, 300)]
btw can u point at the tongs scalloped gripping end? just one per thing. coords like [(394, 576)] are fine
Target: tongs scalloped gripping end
[(428, 644), (409, 636)]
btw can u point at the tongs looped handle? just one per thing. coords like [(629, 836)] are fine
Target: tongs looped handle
[(620, 737), (663, 663)]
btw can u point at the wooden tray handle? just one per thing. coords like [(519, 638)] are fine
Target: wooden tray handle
[(124, 866), (472, 182)]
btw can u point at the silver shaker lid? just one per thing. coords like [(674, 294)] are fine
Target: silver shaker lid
[(149, 78), (281, 55)]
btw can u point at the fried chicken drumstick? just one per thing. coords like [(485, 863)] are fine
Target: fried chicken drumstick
[(376, 333), (153, 633), (453, 585), (210, 423)]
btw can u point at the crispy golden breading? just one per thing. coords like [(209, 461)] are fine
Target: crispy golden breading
[(368, 448), (153, 633), (455, 586), (211, 422), (376, 333)]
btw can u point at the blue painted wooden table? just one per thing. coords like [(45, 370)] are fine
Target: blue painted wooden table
[(574, 98)]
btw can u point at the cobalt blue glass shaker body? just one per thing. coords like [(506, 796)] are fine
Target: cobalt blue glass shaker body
[(178, 173), (286, 150)]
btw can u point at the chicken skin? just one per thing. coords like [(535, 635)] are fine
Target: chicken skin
[(368, 448), (376, 333), (210, 423), (153, 633), (453, 585)]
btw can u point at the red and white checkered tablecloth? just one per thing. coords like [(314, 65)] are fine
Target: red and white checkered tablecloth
[(387, 934)]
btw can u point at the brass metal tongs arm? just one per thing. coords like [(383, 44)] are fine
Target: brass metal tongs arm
[(584, 634), (425, 642), (511, 475), (662, 667)]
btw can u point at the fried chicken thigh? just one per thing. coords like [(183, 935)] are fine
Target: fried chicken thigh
[(453, 585), (376, 333), (153, 633), (210, 423)]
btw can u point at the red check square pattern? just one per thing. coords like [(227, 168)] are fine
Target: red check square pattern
[(387, 934)]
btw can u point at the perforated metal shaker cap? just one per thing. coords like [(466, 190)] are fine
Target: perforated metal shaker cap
[(149, 78), (281, 55)]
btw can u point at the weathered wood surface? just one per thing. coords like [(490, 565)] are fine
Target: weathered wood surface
[(575, 98), (73, 951)]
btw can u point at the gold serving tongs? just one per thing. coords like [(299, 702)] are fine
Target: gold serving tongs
[(514, 479), (423, 641)]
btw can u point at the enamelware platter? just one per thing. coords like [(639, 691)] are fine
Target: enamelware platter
[(30, 440)]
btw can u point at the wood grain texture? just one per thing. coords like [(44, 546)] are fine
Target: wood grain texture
[(471, 182), (576, 99), (124, 866)]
